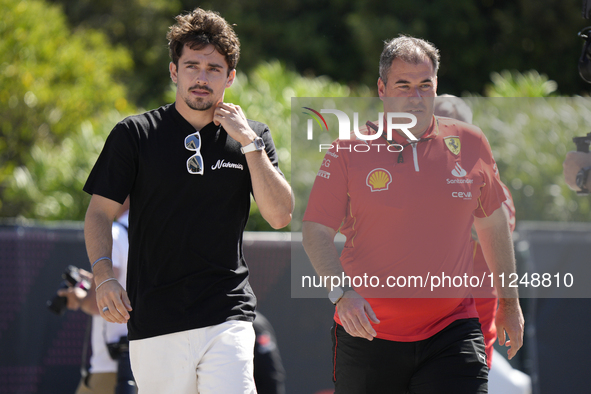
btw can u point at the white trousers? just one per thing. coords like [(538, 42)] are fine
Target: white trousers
[(216, 359), (504, 379)]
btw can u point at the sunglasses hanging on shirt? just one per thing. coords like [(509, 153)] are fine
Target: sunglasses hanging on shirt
[(195, 162)]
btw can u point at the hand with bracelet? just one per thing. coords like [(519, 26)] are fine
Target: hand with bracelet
[(111, 298)]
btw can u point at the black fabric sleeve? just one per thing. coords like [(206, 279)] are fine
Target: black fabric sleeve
[(115, 170)]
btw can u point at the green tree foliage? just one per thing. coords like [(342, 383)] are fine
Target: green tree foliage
[(51, 82), (515, 84), (61, 91), (529, 138), (344, 38), (141, 27), (530, 134), (51, 182)]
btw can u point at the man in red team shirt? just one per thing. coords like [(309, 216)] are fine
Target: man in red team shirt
[(502, 378), (485, 297), (404, 215)]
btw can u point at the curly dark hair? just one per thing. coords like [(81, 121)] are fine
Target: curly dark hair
[(200, 28)]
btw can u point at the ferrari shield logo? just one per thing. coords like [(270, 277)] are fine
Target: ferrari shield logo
[(453, 144)]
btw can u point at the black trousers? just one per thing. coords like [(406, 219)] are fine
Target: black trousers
[(452, 361)]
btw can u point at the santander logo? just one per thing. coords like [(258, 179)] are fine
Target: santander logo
[(458, 171)]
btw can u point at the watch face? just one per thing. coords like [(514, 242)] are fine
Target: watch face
[(335, 295), (259, 144)]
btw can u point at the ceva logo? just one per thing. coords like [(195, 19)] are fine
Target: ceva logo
[(464, 195), (345, 124)]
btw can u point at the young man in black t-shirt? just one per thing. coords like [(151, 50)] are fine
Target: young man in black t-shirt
[(189, 168)]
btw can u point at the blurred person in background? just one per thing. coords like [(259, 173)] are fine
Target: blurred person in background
[(269, 374), (502, 377), (102, 376)]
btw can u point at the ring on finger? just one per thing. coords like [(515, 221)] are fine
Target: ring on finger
[(105, 309)]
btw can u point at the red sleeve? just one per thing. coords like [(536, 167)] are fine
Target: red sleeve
[(492, 194), (328, 200)]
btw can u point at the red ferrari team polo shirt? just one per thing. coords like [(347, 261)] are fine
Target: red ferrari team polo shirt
[(409, 214)]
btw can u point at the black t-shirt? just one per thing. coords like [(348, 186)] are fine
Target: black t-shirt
[(186, 268)]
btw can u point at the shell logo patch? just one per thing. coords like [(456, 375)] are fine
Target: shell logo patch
[(378, 179), (453, 144)]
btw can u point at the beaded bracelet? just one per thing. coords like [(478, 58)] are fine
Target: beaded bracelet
[(100, 259), (103, 282)]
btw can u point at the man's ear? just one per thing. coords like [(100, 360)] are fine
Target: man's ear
[(381, 88), (231, 78), (173, 71)]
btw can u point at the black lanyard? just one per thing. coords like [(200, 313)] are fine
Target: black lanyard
[(400, 157)]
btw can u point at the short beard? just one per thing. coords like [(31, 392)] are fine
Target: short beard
[(199, 105)]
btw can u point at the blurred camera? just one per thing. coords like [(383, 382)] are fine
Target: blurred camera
[(119, 351), (582, 143), (71, 278)]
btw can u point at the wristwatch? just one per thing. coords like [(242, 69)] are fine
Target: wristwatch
[(337, 293), (581, 180), (256, 145)]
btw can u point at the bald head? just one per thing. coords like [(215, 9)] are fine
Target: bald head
[(452, 107)]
